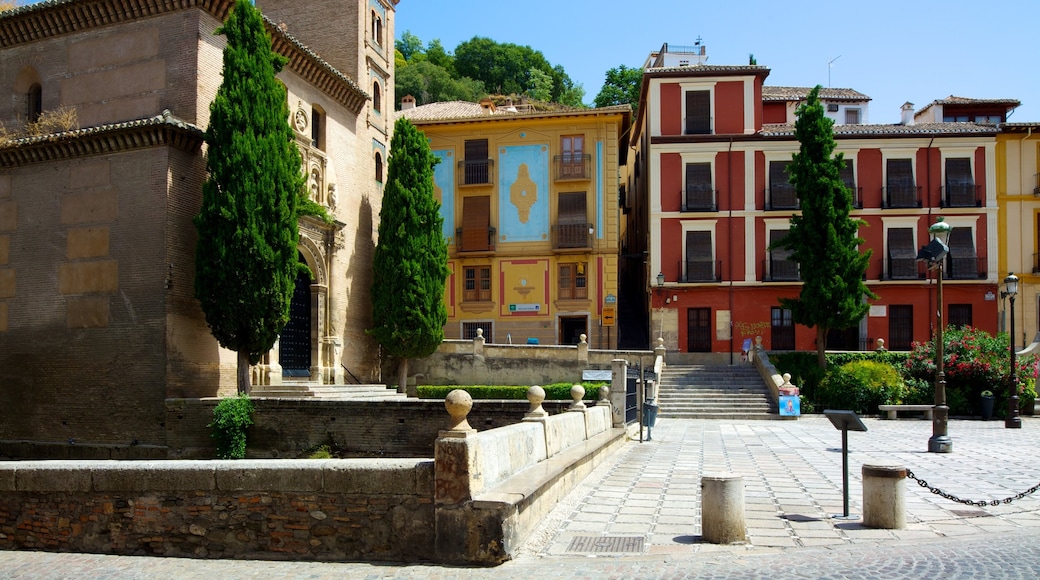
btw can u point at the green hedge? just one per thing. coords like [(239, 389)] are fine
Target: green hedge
[(553, 392)]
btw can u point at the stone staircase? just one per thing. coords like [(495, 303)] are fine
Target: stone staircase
[(714, 392), (290, 389)]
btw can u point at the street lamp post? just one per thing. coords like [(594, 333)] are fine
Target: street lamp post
[(1013, 420), (934, 254)]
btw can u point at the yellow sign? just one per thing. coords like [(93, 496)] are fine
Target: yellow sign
[(608, 316)]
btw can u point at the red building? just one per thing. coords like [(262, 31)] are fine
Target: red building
[(707, 194)]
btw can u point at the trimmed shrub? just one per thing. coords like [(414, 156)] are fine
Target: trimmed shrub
[(231, 417), (861, 386)]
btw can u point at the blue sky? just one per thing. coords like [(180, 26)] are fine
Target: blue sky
[(891, 51)]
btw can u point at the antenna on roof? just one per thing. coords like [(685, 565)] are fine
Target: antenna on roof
[(829, 70)]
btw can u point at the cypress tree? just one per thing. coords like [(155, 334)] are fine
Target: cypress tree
[(246, 258), (411, 260), (824, 239)]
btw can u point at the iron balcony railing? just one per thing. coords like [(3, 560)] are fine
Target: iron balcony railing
[(905, 269), (476, 171), (572, 166), (966, 268), (700, 198), (1036, 263), (701, 271), (697, 125), (901, 196), (475, 239), (570, 236), (781, 197), (857, 197), (962, 195), (780, 270)]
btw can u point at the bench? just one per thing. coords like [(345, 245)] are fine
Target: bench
[(893, 409)]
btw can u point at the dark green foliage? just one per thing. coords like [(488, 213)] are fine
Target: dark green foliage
[(861, 386), (553, 392), (231, 417), (411, 261), (621, 87), (246, 256), (430, 83), (505, 68), (823, 238)]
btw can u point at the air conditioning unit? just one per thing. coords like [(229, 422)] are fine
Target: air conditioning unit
[(832, 107)]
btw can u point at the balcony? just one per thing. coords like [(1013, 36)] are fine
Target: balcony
[(901, 196), (700, 271), (700, 198), (572, 167), (572, 236), (697, 125), (476, 172), (475, 239), (905, 269), (780, 270), (781, 197), (966, 268), (1036, 263), (962, 195), (857, 197)]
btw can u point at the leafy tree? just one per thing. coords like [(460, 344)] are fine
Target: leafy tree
[(436, 54), (565, 90), (502, 67), (409, 45), (411, 260), (246, 257), (539, 85), (621, 87), (823, 239), (429, 83)]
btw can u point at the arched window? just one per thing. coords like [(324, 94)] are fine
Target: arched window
[(377, 97), (379, 31), (379, 167), (317, 127), (34, 103)]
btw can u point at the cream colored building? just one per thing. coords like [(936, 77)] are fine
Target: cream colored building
[(98, 321), (1018, 197)]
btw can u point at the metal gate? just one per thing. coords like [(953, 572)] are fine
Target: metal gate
[(294, 344)]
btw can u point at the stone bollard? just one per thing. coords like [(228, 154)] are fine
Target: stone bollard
[(535, 396), (884, 496), (722, 508), (577, 393)]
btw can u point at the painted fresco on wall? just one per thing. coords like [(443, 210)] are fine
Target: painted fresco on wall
[(524, 288), (444, 190), (523, 193)]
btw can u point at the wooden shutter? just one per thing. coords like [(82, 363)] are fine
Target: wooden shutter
[(962, 254), (848, 175), (900, 173), (699, 192), (699, 257), (698, 112), (960, 188), (778, 174), (476, 162), (902, 259), (476, 219), (571, 208)]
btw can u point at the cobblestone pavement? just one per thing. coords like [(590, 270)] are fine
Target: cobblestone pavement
[(638, 514)]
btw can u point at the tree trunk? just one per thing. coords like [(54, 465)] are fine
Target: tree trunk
[(821, 347), (243, 372), (402, 376)]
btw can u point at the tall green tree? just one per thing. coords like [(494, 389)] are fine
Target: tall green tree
[(824, 239), (621, 87), (246, 257), (430, 83), (411, 260)]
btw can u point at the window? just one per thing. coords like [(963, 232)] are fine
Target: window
[(700, 258), (34, 103), (781, 193), (960, 315), (469, 330), (573, 283), (902, 257), (572, 157), (848, 177), (377, 97), (698, 112), (781, 267), (377, 29), (572, 227), (476, 233), (379, 167), (699, 192), (852, 116), (477, 281), (900, 187), (476, 167), (960, 186), (317, 128), (962, 262), (781, 329), (900, 326)]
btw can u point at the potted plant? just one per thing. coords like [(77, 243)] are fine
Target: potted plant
[(986, 404)]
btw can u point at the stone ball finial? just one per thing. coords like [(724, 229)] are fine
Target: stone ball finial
[(577, 393), (660, 342), (535, 396), (604, 393), (881, 344), (584, 338), (787, 378), (480, 333), (458, 404)]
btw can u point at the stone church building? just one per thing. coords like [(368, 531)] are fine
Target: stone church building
[(98, 321)]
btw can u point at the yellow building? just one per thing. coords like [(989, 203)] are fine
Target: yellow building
[(531, 215), (1018, 190)]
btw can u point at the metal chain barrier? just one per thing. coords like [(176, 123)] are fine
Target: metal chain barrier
[(980, 503)]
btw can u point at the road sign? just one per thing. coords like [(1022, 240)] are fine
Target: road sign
[(608, 315)]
